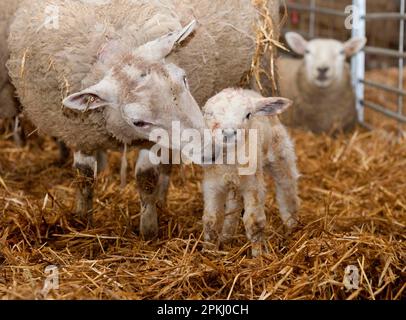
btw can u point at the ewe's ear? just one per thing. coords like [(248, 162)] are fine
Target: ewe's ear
[(354, 45), (160, 48), (296, 42), (98, 96), (271, 106)]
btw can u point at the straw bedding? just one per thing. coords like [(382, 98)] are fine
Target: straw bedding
[(353, 213)]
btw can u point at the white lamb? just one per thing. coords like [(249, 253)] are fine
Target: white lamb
[(234, 113)]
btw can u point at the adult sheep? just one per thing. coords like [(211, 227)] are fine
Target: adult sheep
[(319, 84), (113, 65)]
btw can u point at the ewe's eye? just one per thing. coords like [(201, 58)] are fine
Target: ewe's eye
[(249, 115), (185, 82), (307, 51), (141, 124)]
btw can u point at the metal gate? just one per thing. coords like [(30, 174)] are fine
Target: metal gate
[(359, 18)]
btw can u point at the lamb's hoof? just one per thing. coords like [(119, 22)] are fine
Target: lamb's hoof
[(291, 226), (259, 248)]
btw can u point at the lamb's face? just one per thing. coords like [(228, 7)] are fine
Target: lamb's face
[(229, 114), (324, 58)]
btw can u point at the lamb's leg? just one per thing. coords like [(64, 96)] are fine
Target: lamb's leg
[(152, 184), (86, 167), (285, 176), (234, 207), (214, 210), (254, 216)]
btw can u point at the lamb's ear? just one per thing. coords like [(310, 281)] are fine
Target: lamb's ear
[(296, 42), (98, 96), (160, 48), (271, 106), (354, 45)]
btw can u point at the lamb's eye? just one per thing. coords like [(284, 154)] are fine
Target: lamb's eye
[(140, 124), (249, 115), (307, 52), (342, 52), (145, 73)]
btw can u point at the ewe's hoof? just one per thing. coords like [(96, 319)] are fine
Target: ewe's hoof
[(149, 234), (149, 229)]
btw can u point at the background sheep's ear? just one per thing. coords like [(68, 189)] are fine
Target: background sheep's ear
[(296, 42), (95, 97), (271, 106), (354, 45), (160, 48)]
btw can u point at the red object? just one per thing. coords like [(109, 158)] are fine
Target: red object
[(295, 17)]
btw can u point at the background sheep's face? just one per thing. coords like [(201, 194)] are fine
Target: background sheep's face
[(324, 58), (232, 111)]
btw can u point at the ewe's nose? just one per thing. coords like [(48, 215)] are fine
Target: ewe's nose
[(323, 70)]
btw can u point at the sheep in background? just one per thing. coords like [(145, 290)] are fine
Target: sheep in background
[(319, 84), (226, 192)]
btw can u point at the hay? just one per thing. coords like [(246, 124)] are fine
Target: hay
[(263, 64), (353, 213)]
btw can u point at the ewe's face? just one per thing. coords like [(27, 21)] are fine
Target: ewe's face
[(154, 96), (141, 93), (324, 58)]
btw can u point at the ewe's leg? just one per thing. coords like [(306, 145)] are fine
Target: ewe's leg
[(164, 180), (254, 216), (152, 183), (285, 175), (64, 152), (102, 160), (86, 167), (18, 133), (214, 210), (234, 207)]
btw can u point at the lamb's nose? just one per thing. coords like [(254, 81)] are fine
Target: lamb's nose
[(229, 133), (323, 70)]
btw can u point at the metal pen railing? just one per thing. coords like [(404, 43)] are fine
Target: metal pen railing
[(358, 62)]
